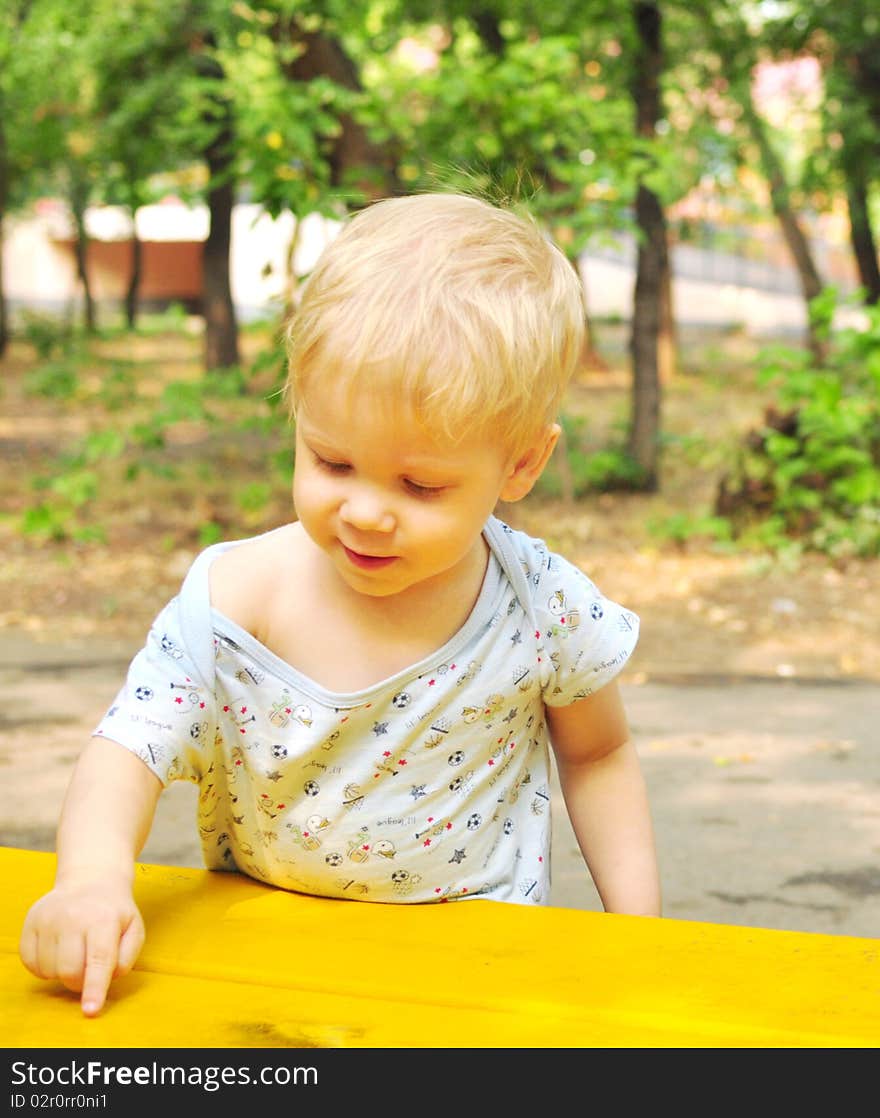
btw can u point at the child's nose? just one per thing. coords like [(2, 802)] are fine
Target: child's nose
[(366, 510)]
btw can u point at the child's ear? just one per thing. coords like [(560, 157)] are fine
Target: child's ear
[(529, 465)]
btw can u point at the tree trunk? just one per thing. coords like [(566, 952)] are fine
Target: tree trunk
[(865, 63), (487, 23), (132, 294), (859, 157), (862, 237), (78, 200), (667, 355), (221, 328), (218, 309), (652, 263), (795, 238), (644, 434)]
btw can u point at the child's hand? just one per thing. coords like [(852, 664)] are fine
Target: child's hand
[(84, 934)]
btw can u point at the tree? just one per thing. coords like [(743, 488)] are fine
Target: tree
[(309, 148), (355, 159), (855, 69), (218, 308), (46, 101), (7, 28), (739, 47), (781, 201), (140, 69), (292, 100), (528, 106), (652, 265), (70, 156), (845, 39)]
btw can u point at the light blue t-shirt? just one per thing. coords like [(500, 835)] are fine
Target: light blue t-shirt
[(431, 785)]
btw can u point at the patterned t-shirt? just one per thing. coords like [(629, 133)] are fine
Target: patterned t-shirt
[(431, 785)]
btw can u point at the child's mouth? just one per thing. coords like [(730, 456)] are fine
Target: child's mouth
[(367, 562)]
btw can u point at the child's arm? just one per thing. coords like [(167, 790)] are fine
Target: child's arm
[(606, 799), (88, 928)]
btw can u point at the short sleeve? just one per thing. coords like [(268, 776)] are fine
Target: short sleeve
[(585, 638), (164, 712)]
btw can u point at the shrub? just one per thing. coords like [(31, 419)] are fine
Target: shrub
[(811, 471)]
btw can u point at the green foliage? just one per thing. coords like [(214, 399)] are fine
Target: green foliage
[(118, 386), (682, 528), (811, 472), (49, 335), (210, 532), (58, 380), (253, 497), (138, 437), (546, 121), (579, 467), (170, 320), (610, 468), (58, 516)]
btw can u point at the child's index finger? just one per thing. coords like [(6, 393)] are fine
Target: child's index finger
[(101, 949)]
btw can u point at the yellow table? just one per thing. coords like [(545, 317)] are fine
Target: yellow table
[(230, 963)]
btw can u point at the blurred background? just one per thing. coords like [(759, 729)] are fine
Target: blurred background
[(168, 175)]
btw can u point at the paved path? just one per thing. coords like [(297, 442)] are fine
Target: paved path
[(766, 792)]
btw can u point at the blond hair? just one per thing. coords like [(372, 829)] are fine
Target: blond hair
[(462, 309)]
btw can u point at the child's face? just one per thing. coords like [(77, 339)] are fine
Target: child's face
[(391, 506)]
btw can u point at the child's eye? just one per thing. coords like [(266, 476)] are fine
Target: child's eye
[(330, 466), (420, 490)]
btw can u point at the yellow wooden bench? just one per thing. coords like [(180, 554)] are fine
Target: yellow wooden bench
[(230, 963)]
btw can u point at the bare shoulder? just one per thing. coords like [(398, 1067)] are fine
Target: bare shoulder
[(246, 579)]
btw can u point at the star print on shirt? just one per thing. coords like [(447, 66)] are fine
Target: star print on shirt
[(380, 728), (458, 856), (417, 791)]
